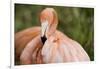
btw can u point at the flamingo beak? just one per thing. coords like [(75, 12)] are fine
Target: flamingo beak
[(44, 28)]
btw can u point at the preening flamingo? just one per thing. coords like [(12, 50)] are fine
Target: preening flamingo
[(45, 44)]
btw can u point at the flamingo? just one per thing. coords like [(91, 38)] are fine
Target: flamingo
[(45, 44)]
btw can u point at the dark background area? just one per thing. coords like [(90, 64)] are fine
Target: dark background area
[(75, 22)]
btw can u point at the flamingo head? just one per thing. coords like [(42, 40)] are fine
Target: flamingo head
[(49, 21)]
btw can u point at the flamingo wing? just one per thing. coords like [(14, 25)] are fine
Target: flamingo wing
[(61, 48), (23, 37), (30, 52), (76, 52)]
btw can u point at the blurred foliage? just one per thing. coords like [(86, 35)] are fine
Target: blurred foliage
[(75, 22)]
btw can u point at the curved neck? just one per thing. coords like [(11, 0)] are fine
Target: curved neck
[(52, 27)]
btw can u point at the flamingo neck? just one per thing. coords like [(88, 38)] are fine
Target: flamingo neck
[(52, 27)]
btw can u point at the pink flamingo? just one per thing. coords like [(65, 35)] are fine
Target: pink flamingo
[(45, 44)]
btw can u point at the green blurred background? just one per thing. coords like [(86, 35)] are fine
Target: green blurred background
[(75, 22)]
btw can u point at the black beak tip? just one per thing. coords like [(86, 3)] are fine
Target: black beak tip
[(43, 39)]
